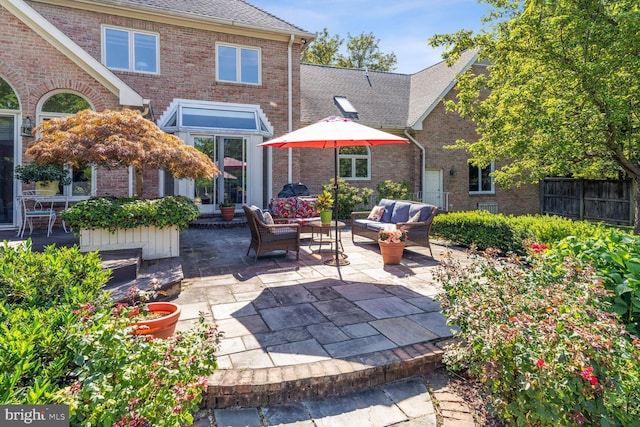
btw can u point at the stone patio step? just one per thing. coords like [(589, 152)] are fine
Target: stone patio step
[(216, 221), (124, 265), (161, 275), (228, 388)]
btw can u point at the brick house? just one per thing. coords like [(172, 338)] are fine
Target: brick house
[(410, 106), (221, 74)]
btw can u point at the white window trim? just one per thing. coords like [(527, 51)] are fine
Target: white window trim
[(493, 185), (239, 64), (353, 158), (40, 116), (131, 32)]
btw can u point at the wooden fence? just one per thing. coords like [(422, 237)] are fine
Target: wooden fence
[(610, 201)]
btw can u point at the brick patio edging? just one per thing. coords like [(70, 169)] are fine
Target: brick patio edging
[(229, 388)]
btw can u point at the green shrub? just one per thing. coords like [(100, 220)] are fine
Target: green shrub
[(112, 213), (393, 190), (542, 343), (40, 296), (508, 233), (62, 341), (478, 229), (349, 197), (616, 258)]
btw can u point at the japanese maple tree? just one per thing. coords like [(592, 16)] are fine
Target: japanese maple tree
[(117, 139)]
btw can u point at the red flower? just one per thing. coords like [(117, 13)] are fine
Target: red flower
[(587, 374), (540, 363), (538, 247)]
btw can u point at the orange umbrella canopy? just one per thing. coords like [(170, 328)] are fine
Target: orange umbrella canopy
[(115, 139), (333, 132)]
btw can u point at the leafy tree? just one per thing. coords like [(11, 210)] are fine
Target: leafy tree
[(362, 51), (562, 93), (117, 139), (324, 50)]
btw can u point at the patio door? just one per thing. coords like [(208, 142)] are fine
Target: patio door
[(7, 160), (230, 155)]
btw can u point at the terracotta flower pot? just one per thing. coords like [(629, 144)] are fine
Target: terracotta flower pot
[(162, 327), (391, 252), (227, 212)]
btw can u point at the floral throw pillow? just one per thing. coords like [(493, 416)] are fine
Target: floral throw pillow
[(284, 208), (376, 213)]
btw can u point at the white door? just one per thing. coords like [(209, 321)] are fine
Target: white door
[(433, 187)]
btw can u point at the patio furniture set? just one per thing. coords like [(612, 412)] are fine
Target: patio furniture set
[(280, 229)]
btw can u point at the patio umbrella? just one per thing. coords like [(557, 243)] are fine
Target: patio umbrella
[(334, 132)]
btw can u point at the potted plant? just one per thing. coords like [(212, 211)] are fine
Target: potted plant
[(47, 177), (324, 205), (109, 223), (227, 210), (392, 242), (155, 318)]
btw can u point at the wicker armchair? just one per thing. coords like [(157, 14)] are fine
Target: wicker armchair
[(271, 237)]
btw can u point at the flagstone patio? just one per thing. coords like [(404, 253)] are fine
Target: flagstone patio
[(302, 329)]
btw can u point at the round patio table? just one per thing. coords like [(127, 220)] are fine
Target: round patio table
[(322, 234)]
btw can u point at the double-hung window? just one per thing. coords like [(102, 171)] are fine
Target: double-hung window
[(480, 180), (238, 64), (354, 162), (130, 50)]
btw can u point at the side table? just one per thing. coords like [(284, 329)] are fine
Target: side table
[(322, 234)]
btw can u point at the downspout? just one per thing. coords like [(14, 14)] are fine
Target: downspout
[(290, 106), (423, 162)]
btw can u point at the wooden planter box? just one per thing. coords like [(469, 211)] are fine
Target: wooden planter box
[(155, 242)]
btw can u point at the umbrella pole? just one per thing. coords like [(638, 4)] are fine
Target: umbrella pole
[(339, 259)]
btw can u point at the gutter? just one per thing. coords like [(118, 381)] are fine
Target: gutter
[(290, 105), (423, 162)]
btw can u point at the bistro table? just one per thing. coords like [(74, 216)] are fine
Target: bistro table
[(322, 234)]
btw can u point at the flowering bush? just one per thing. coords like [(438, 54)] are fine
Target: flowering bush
[(540, 339), (392, 235), (131, 380)]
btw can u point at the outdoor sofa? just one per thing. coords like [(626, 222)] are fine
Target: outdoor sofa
[(299, 210), (415, 217)]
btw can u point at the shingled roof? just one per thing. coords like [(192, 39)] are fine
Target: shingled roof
[(383, 100), (232, 12)]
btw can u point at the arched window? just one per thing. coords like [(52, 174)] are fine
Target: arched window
[(62, 104), (355, 162), (8, 98)]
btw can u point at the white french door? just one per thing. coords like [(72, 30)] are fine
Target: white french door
[(8, 134), (230, 155)]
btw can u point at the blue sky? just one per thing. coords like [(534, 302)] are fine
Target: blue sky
[(402, 26)]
